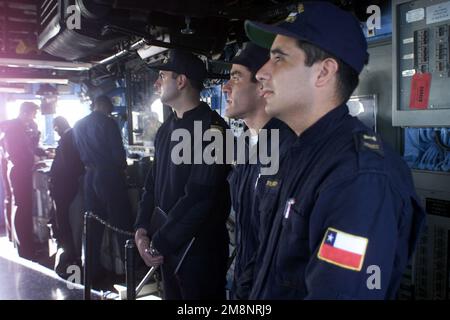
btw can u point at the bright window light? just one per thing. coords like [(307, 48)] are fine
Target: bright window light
[(157, 107), (13, 108), (72, 110)]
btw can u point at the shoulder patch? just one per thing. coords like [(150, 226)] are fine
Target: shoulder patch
[(343, 249), (215, 127), (291, 17), (368, 141)]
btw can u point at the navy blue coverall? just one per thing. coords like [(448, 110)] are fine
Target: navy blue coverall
[(342, 206), (243, 181), (196, 199), (99, 142), (65, 174)]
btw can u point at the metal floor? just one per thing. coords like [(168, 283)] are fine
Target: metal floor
[(21, 279)]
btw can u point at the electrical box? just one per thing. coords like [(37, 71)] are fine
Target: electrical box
[(421, 70), (431, 268)]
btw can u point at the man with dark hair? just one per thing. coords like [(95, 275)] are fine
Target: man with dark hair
[(245, 101), (344, 203), (97, 137), (21, 142), (194, 195), (65, 174), (347, 77)]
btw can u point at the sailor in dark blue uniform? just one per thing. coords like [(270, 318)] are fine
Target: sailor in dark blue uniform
[(65, 174), (97, 137), (21, 142), (342, 216), (245, 101), (194, 194)]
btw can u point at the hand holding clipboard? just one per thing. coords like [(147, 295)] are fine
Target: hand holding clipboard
[(159, 218)]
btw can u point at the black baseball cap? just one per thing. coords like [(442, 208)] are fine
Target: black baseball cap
[(322, 24), (183, 62), (252, 56)]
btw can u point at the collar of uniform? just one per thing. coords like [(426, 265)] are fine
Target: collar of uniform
[(99, 113), (200, 109), (324, 126), (273, 123)]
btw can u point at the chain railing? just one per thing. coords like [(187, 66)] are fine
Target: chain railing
[(89, 219), (130, 257), (111, 227)]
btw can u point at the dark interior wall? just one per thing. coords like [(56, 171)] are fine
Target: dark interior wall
[(376, 78)]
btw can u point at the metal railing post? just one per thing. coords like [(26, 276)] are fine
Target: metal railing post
[(130, 269), (87, 254)]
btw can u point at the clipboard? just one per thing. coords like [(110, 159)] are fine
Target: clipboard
[(159, 218), (183, 256)]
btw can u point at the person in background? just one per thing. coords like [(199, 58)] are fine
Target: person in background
[(98, 140), (3, 195), (65, 174), (21, 144)]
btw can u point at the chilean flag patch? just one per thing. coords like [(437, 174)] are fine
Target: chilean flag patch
[(343, 249)]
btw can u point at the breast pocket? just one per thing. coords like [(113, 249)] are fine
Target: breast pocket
[(293, 250), (266, 196)]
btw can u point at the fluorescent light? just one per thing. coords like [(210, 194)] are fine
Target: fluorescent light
[(148, 51), (113, 57), (43, 64), (12, 90), (35, 80)]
